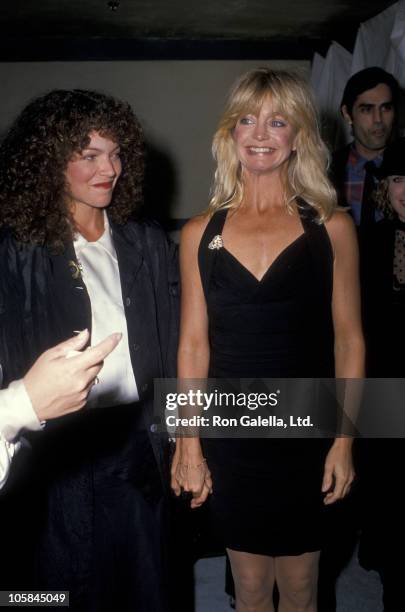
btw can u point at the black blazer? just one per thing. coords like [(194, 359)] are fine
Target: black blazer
[(42, 303), (50, 493)]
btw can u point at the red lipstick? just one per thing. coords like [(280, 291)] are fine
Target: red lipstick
[(106, 185)]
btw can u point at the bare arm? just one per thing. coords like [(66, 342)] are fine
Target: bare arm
[(349, 343), (193, 353), (193, 360)]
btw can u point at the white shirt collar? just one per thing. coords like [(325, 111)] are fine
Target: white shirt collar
[(105, 241)]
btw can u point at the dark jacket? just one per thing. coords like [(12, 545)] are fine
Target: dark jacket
[(41, 304), (337, 172), (383, 306)]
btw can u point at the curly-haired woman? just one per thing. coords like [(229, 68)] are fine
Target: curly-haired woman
[(384, 272), (73, 257), (381, 460)]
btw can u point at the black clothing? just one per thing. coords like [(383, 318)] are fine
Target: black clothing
[(267, 495), (337, 173), (95, 488), (366, 229), (382, 460), (384, 302), (367, 219)]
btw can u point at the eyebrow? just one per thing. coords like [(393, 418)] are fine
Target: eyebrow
[(370, 104), (99, 150), (274, 115)]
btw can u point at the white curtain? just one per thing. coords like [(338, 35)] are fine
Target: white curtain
[(380, 42), (373, 42), (396, 59), (328, 79)]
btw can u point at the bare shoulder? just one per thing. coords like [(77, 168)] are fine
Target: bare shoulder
[(340, 222), (341, 228), (193, 230)]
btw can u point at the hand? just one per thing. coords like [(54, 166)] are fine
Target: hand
[(176, 488), (190, 473), (338, 471), (57, 385)]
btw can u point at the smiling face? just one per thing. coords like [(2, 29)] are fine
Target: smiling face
[(371, 119), (396, 194), (265, 141), (91, 175)]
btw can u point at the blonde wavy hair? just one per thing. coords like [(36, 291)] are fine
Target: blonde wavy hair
[(306, 176)]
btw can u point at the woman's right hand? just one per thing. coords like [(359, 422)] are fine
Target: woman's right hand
[(190, 473), (61, 378)]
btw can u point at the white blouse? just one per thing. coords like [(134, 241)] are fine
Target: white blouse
[(16, 413), (100, 272)]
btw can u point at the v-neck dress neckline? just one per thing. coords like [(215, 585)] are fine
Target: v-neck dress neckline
[(267, 492)]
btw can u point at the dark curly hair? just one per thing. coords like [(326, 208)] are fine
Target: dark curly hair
[(35, 152)]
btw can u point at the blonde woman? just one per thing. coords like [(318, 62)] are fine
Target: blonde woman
[(277, 297)]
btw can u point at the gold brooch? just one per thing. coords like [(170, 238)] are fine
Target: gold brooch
[(216, 242), (76, 269)]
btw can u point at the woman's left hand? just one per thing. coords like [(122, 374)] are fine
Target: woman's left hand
[(338, 472), (176, 488)]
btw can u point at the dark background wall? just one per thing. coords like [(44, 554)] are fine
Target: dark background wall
[(178, 103)]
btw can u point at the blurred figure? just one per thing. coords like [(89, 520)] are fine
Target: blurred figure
[(53, 386), (382, 461), (385, 269), (369, 106)]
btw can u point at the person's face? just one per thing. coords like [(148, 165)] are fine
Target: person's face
[(396, 194), (91, 175), (264, 142), (371, 120)]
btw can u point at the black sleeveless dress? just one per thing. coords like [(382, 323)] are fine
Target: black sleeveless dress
[(267, 495)]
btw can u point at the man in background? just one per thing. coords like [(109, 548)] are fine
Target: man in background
[(369, 107)]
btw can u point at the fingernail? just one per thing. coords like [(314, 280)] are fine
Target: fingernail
[(117, 336), (80, 333)]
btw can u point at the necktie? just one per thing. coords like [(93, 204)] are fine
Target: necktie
[(367, 218)]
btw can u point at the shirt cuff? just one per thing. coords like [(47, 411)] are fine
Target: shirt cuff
[(20, 413), (7, 452)]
